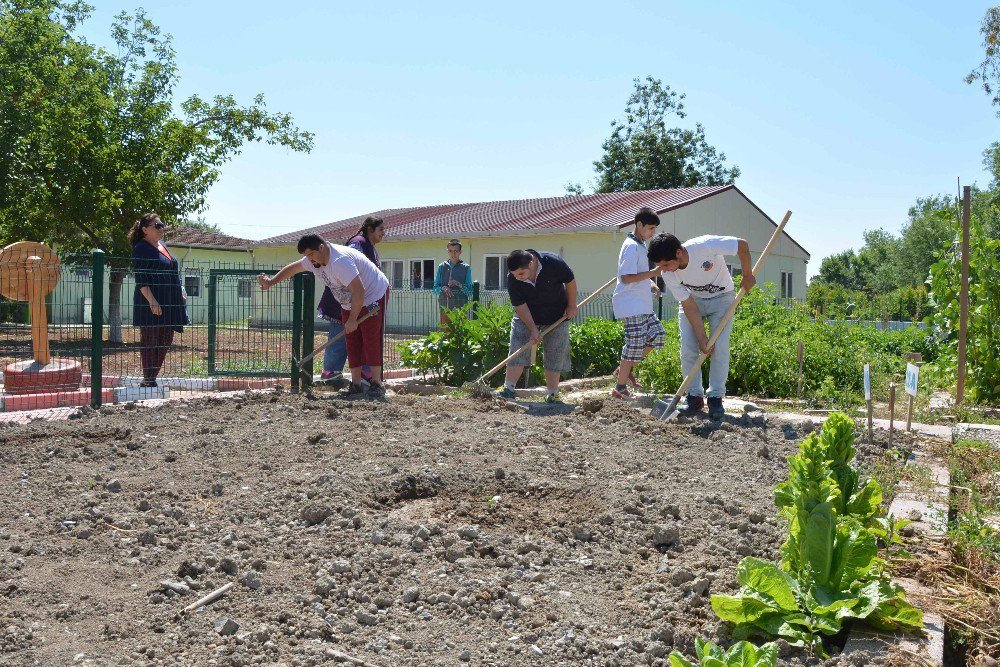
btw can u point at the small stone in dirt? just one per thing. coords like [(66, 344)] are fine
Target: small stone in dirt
[(411, 594), (147, 538), (465, 656), (583, 533), (252, 580), (535, 650), (468, 533), (681, 576), (340, 567), (226, 626), (170, 457), (114, 486), (315, 438), (592, 404), (764, 452), (366, 618), (915, 515), (568, 432), (751, 407), (332, 413), (756, 517), (500, 473), (315, 513), (665, 536)]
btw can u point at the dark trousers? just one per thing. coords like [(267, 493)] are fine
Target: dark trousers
[(154, 343)]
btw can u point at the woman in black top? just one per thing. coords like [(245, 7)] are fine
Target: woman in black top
[(158, 302)]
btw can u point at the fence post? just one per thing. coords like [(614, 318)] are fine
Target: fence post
[(296, 330), (475, 299), (96, 327), (308, 326), (212, 322)]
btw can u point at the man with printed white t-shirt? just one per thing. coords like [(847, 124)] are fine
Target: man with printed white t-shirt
[(358, 285), (697, 275)]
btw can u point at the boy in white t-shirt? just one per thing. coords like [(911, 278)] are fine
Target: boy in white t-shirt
[(633, 303), (357, 284), (697, 275)]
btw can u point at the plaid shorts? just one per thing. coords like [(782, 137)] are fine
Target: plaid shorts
[(641, 331)]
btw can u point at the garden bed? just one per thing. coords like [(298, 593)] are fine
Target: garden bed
[(424, 531)]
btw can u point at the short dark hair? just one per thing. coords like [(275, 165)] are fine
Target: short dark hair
[(455, 242), (646, 216), (310, 242), (663, 248), (518, 259)]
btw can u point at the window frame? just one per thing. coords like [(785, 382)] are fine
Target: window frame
[(424, 281), (388, 263), (502, 273), (239, 283), (786, 284), (196, 274)]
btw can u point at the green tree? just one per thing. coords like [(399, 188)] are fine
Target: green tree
[(988, 72), (841, 269), (90, 139), (928, 230), (643, 153)]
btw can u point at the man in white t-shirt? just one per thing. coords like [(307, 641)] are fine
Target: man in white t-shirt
[(697, 275), (357, 284), (632, 301)]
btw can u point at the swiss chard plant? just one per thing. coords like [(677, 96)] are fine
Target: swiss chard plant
[(740, 654), (830, 570)]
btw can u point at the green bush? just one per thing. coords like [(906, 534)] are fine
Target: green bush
[(983, 350), (464, 348), (763, 354)]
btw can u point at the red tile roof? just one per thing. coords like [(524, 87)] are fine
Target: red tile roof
[(189, 237), (569, 213)]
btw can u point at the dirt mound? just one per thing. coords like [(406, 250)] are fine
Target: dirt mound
[(419, 531)]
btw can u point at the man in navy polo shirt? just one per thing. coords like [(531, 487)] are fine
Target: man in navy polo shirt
[(542, 290)]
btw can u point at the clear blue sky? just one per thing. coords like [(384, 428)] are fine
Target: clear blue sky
[(844, 113)]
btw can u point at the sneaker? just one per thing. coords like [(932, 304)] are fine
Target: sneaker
[(715, 409), (552, 398), (694, 404), (375, 390), (354, 390), (326, 375), (624, 394), (507, 393), (330, 378)]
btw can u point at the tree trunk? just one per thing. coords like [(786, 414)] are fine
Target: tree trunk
[(115, 306)]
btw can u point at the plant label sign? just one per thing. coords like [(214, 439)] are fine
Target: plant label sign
[(868, 383), (912, 372)]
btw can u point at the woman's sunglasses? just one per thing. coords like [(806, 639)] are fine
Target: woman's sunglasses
[(158, 225)]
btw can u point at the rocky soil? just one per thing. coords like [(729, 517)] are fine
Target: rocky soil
[(420, 531)]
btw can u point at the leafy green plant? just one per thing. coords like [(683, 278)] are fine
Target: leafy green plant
[(830, 570), (595, 346), (983, 379), (740, 654)]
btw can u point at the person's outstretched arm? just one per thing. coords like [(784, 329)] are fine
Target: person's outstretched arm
[(267, 281)]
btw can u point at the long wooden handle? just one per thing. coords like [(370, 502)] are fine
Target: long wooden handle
[(545, 331), (330, 341), (732, 309)]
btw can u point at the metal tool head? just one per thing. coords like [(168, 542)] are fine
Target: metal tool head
[(666, 410)]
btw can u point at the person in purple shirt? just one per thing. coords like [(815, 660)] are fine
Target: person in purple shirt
[(372, 231)]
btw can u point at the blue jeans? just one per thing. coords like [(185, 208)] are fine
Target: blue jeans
[(713, 311), (335, 354)]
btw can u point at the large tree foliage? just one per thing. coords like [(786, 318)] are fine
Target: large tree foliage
[(645, 153), (90, 139), (988, 71)]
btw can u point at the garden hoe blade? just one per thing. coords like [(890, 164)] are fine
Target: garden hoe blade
[(666, 410)]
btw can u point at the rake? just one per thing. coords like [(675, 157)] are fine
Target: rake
[(372, 311), (479, 387), (664, 409)]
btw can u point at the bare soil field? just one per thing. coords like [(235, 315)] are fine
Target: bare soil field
[(420, 531)]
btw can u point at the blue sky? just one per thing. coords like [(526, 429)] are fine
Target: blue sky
[(844, 114)]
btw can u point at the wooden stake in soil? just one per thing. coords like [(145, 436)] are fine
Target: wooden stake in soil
[(801, 352), (892, 408), (868, 400), (963, 313)]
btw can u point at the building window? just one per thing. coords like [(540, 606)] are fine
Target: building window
[(192, 282), (244, 288), (421, 274), (393, 270), (786, 284), (495, 272)]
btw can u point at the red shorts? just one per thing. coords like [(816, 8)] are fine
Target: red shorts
[(364, 344)]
